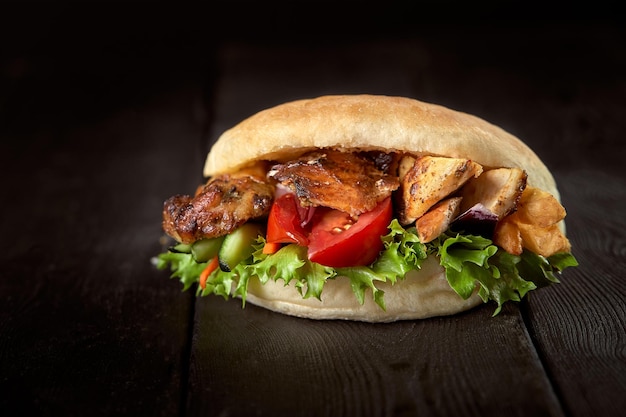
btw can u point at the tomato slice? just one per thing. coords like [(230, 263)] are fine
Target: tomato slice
[(284, 224), (337, 240)]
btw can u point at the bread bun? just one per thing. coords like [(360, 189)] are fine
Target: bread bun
[(421, 294), (368, 122)]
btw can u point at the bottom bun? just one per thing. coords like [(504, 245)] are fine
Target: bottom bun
[(424, 293)]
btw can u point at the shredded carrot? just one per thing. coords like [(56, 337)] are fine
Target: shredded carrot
[(271, 248), (204, 275)]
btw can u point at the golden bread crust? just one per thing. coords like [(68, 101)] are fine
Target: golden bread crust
[(372, 122)]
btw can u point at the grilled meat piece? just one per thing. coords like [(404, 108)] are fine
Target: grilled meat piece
[(534, 225), (498, 190), (539, 207), (219, 207), (350, 182), (429, 179), (437, 219)]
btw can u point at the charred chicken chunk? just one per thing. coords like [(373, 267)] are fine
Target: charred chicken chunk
[(437, 219), (539, 207), (498, 190), (427, 180), (351, 182), (218, 208), (534, 225)]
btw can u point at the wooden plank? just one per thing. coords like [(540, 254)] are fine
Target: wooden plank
[(87, 324), (254, 362), (580, 325)]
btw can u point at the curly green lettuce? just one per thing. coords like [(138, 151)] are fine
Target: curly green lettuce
[(470, 263)]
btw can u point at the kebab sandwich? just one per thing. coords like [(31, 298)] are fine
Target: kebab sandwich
[(369, 208)]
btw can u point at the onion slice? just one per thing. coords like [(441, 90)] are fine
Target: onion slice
[(478, 220)]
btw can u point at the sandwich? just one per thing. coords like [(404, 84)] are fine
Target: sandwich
[(368, 208)]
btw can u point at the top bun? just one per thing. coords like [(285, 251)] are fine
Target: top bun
[(372, 122)]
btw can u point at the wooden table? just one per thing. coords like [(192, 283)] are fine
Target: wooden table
[(101, 122)]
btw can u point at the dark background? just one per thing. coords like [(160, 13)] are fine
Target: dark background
[(107, 109), (70, 61)]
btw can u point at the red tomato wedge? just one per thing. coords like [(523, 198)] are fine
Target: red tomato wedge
[(337, 240), (283, 223)]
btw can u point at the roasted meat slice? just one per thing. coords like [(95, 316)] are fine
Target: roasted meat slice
[(219, 207), (539, 207), (437, 219), (534, 225), (498, 190), (428, 180), (545, 241), (351, 182), (508, 236)]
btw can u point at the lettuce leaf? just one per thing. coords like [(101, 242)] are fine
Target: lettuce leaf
[(471, 263), (501, 277), (183, 266), (290, 263)]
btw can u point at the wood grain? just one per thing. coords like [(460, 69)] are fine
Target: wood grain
[(87, 325), (280, 365), (580, 325)]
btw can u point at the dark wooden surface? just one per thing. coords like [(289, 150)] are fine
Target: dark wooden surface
[(106, 114)]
